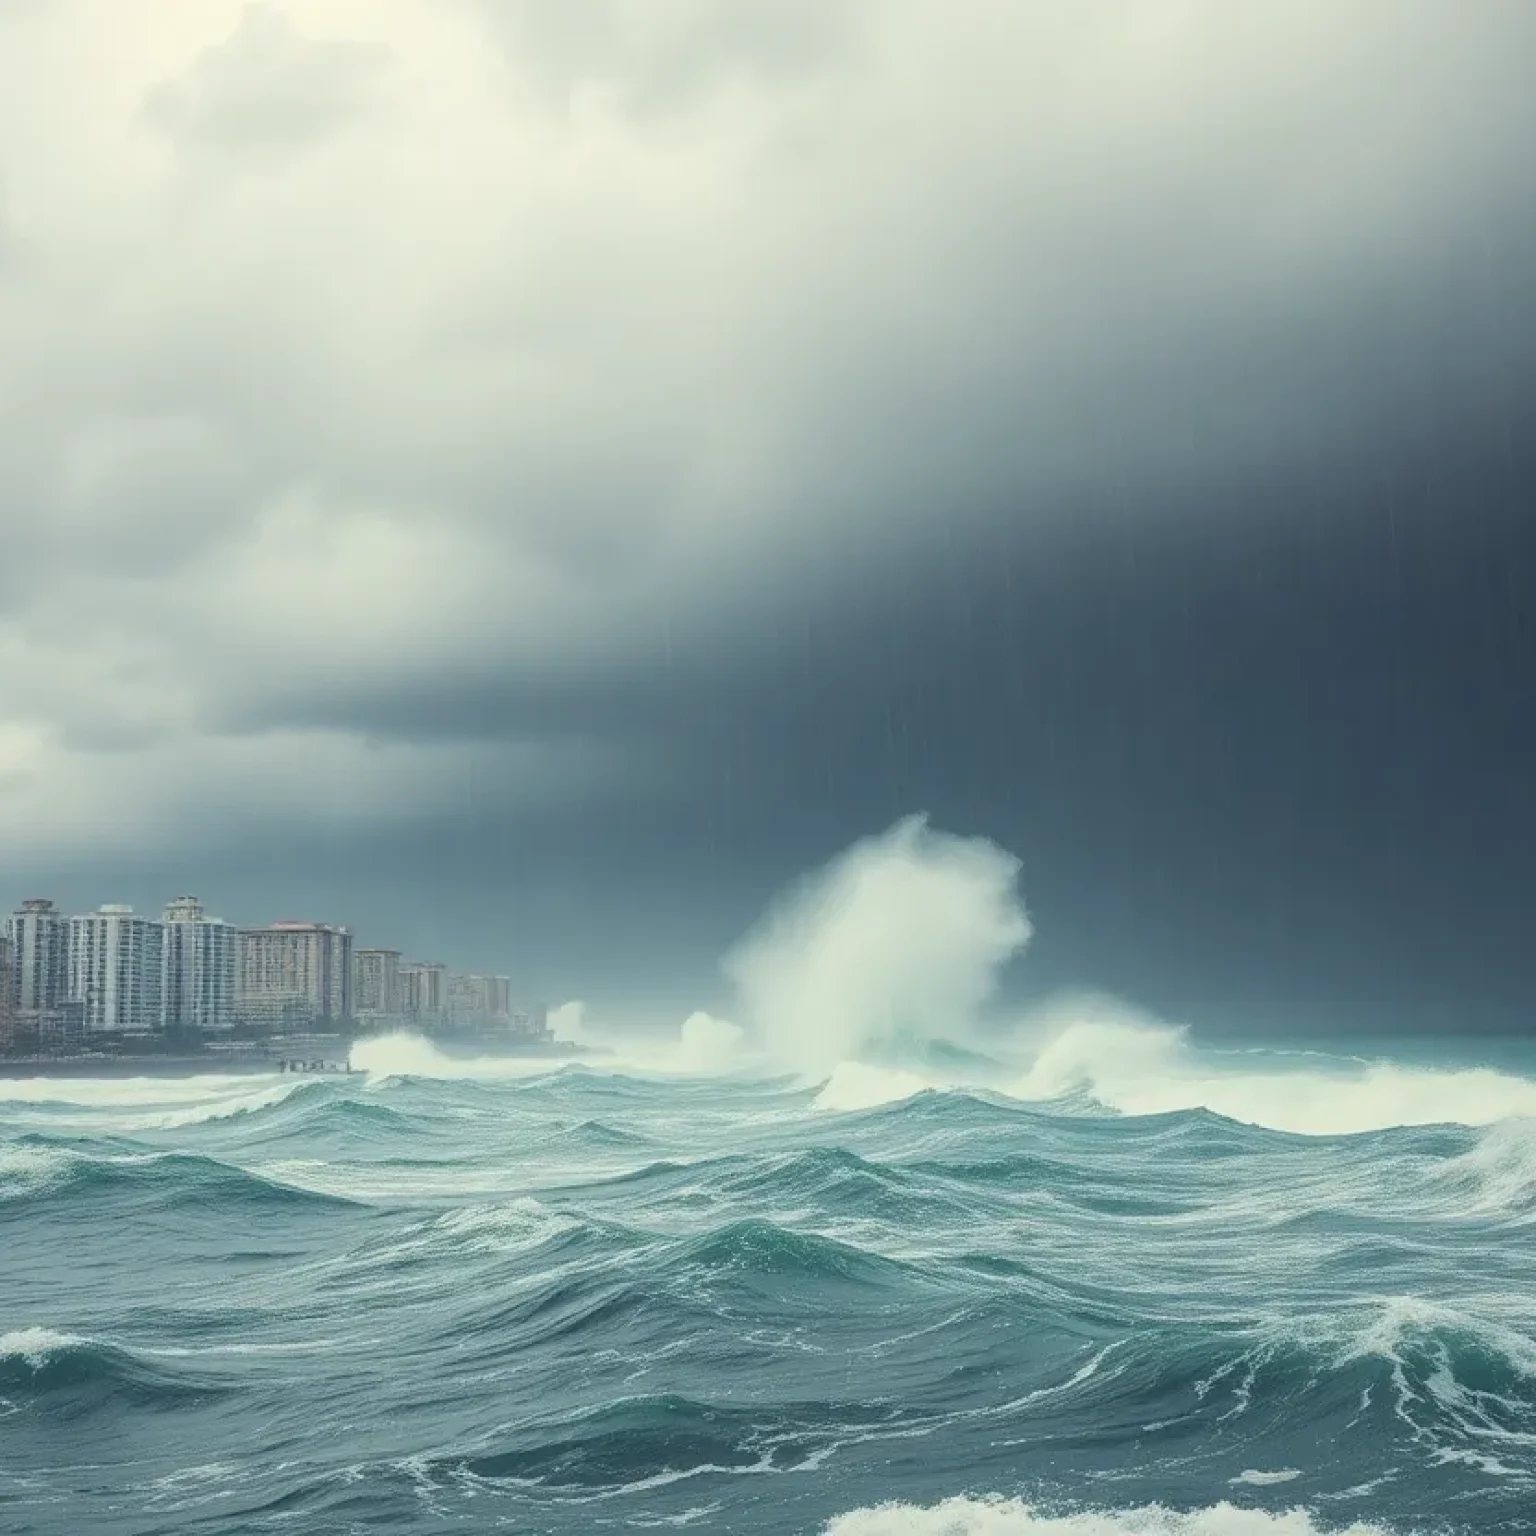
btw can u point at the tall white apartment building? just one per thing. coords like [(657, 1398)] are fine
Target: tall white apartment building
[(116, 961), (424, 990), (480, 997), (7, 995), (295, 974), (469, 997), (499, 995), (39, 944), (201, 961), (376, 983)]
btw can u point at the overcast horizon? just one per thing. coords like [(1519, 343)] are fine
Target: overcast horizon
[(528, 481)]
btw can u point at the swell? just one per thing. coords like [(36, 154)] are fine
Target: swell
[(661, 1438), (599, 1285), (59, 1374), (65, 1179), (1447, 1392)]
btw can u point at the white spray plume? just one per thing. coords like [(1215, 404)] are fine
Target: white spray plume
[(856, 1085), (568, 1023), (900, 939), (405, 1054), (708, 1044)]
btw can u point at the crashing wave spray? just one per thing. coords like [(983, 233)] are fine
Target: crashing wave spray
[(410, 1055), (899, 941), (1139, 1066)]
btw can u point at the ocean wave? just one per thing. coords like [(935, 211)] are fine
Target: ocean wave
[(664, 1169), (1012, 1171), (501, 1227), (1455, 1386), (66, 1373), (148, 1104), (1497, 1175), (1014, 1517), (948, 1108), (597, 1133), (602, 1289), (833, 1181), (435, 1257), (653, 1440), (759, 1248), (1128, 1067), (163, 1179), (324, 1110)]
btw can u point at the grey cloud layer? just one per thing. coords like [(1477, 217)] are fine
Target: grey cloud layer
[(355, 349)]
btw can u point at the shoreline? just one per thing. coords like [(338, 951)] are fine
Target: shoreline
[(262, 1059)]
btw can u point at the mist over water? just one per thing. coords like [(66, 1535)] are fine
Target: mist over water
[(868, 1257)]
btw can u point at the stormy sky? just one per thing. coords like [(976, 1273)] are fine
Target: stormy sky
[(526, 480)]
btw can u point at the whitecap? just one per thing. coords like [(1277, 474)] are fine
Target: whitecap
[(1013, 1517), (1141, 1068), (29, 1171), (36, 1346)]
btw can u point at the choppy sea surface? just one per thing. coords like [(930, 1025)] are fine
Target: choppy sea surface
[(588, 1298)]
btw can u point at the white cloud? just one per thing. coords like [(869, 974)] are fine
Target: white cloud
[(267, 88)]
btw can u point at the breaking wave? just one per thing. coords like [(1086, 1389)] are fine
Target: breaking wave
[(165, 1180), (57, 1373), (1138, 1068), (1013, 1517)]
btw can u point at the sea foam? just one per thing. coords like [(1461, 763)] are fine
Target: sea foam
[(36, 1346), (1012, 1517)]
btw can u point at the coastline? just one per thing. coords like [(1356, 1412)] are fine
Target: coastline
[(269, 1057)]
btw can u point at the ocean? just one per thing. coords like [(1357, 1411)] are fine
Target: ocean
[(1139, 1286)]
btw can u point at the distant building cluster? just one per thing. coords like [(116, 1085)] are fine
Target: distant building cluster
[(112, 972)]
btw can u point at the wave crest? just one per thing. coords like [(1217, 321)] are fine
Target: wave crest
[(757, 1247), (65, 1372), (163, 1179)]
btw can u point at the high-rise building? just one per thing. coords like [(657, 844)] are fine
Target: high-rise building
[(201, 960), (294, 974), (7, 996), (39, 942), (424, 991), (376, 983), (468, 997), (534, 1024), (116, 960), (498, 996), (480, 997)]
